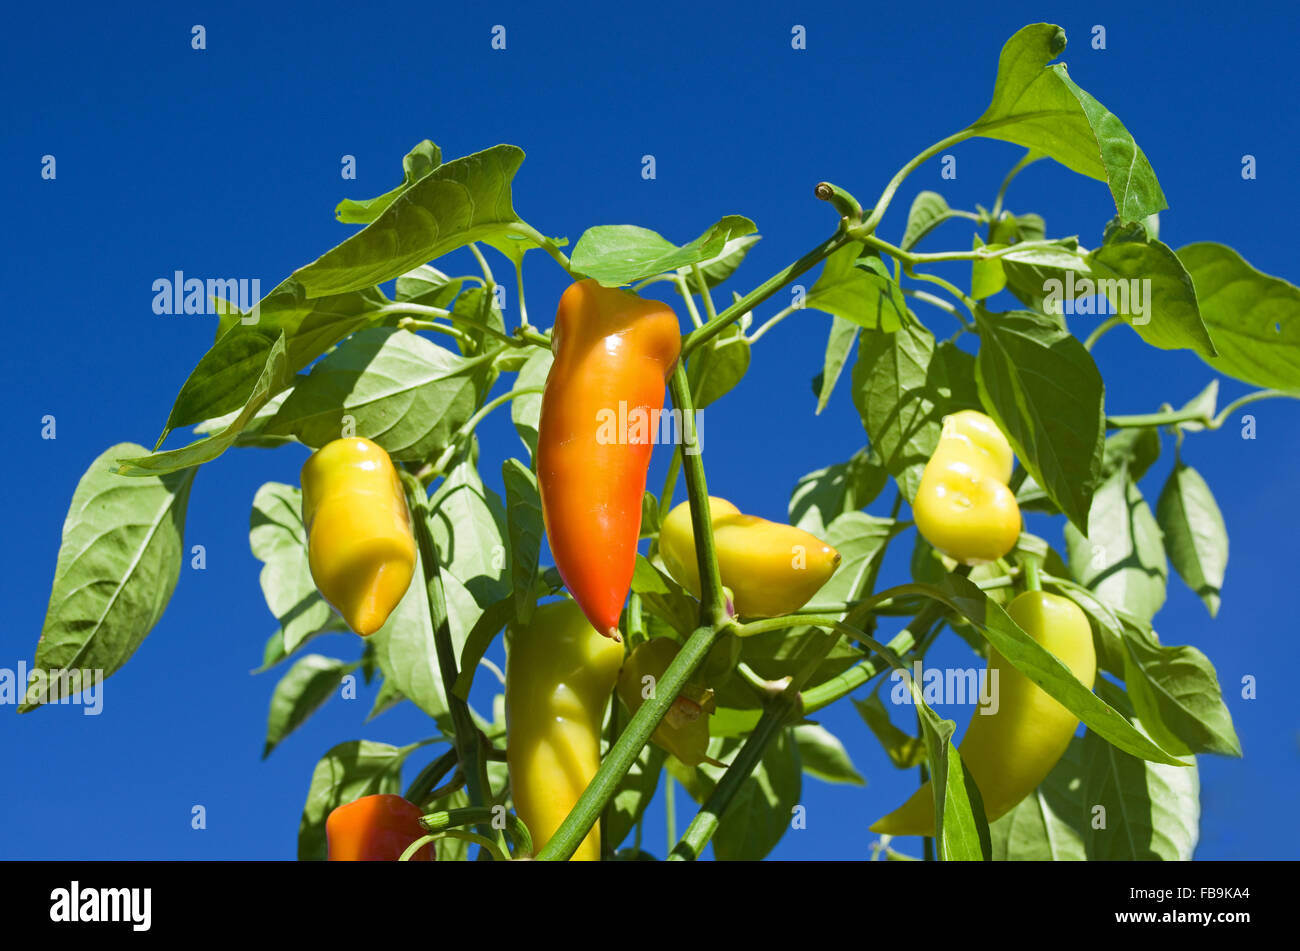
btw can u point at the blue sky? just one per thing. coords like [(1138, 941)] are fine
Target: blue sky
[(226, 162)]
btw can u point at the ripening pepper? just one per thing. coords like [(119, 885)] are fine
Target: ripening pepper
[(1009, 752), (359, 542), (963, 506), (684, 730), (771, 568), (559, 676), (613, 353), (375, 829)]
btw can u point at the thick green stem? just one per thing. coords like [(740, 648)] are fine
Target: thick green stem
[(427, 780)]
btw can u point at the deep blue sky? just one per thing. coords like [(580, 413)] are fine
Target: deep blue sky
[(226, 162)]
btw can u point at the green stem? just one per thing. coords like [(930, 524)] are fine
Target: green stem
[(471, 424), (514, 826), (410, 323), (689, 300), (467, 739), (705, 296), (887, 196), (1033, 579), (952, 289), (1029, 159), (543, 242), (519, 284), (702, 335), (1102, 329), (670, 484), (935, 301), (850, 208), (498, 853), (772, 322), (670, 809), (427, 779)]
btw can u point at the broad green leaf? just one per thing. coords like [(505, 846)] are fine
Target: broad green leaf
[(859, 289), (1253, 317), (1176, 694), (1137, 810), (903, 386), (1044, 391), (273, 379), (1048, 825), (825, 494), (1038, 106), (484, 322), (428, 287), (764, 807), (302, 691), (824, 756), (405, 392), (634, 792), (720, 267), (416, 164), (904, 750), (649, 516), (839, 343), (1012, 229), (619, 254), (986, 275), (495, 617), (1122, 557), (278, 540), (928, 211), (387, 698), (526, 411), (1148, 286), (118, 562), (458, 202), (470, 531), (253, 435), (524, 513), (1138, 448), (716, 368), (1108, 631), (1205, 403), (1195, 536), (664, 597), (1044, 669), (346, 773), (225, 376)]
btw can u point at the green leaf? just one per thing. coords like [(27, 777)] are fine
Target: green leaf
[(986, 276), (387, 698), (428, 287), (635, 791), (274, 378), (1044, 391), (824, 756), (839, 343), (1108, 631), (1122, 558), (620, 254), (1138, 811), (825, 494), (470, 531), (253, 435), (416, 164), (346, 773), (226, 375), (1137, 448), (1176, 695), (649, 516), (1195, 536), (961, 831), (763, 808), (479, 310), (720, 267), (515, 246), (1047, 825), (524, 512), (904, 750), (1148, 286), (490, 623), (526, 411), (716, 368), (405, 392), (458, 202), (300, 693), (928, 211), (859, 289), (1012, 229), (278, 540), (1045, 670), (664, 597), (118, 562), (1038, 106), (903, 386), (1253, 317)]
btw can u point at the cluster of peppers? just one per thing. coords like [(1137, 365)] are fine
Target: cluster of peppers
[(614, 349)]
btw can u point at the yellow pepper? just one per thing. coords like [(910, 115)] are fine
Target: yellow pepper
[(684, 730), (1009, 752), (359, 542), (771, 568), (559, 676), (963, 506)]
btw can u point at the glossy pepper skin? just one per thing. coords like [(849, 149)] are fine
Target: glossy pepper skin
[(771, 568), (1009, 752), (613, 353), (684, 731), (359, 542), (559, 676), (963, 506), (375, 829)]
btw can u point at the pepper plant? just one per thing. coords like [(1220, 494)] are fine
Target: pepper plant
[(417, 366)]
